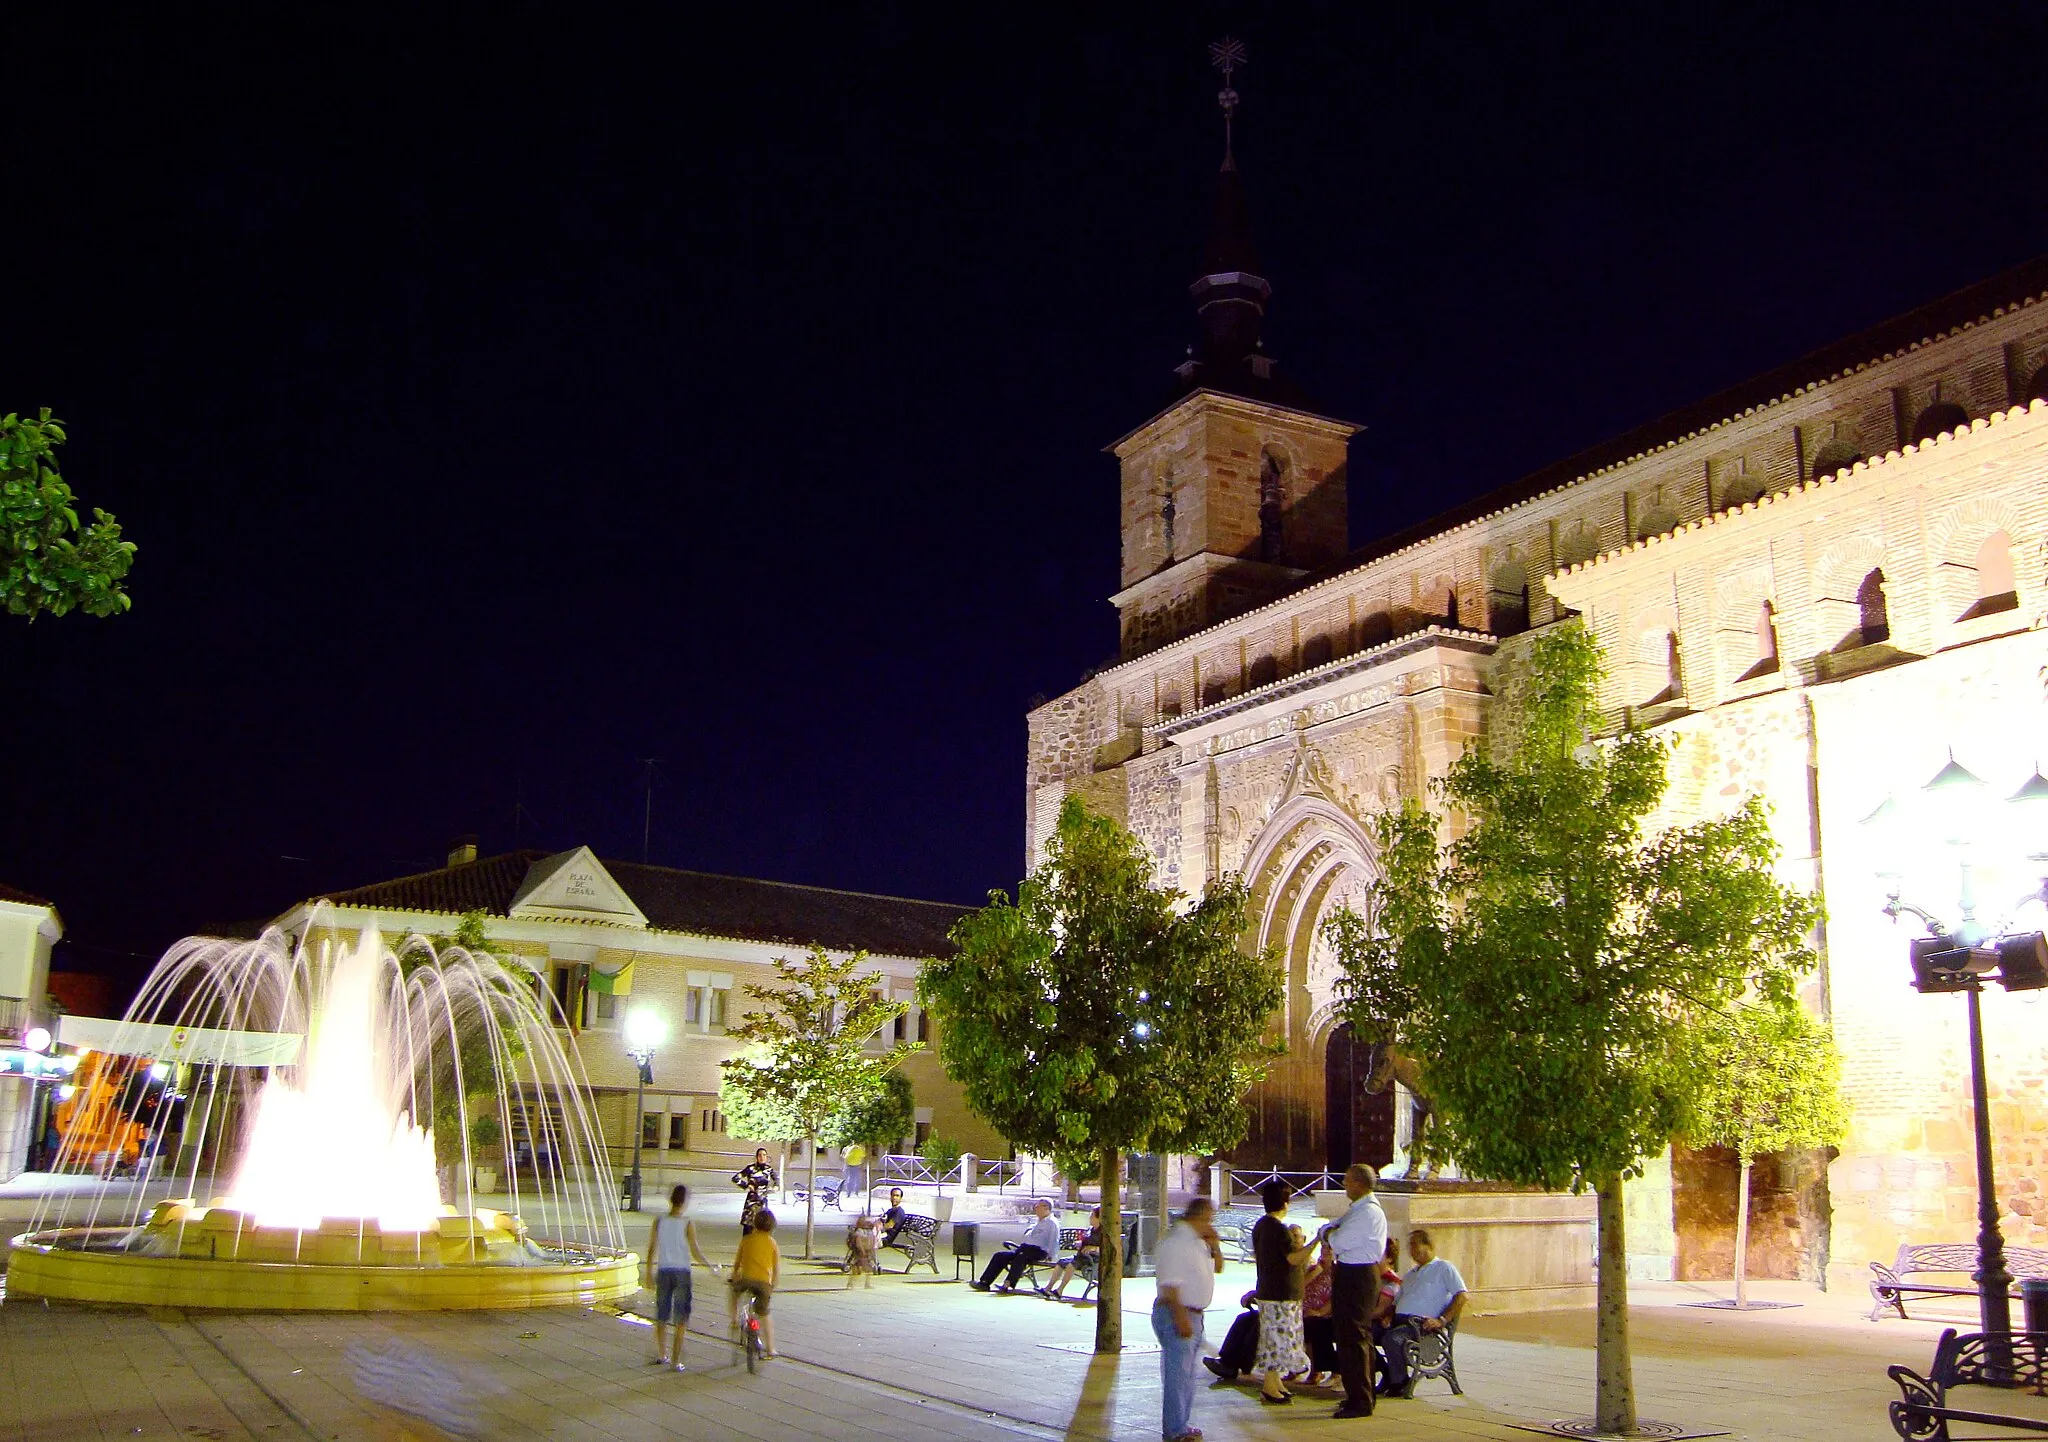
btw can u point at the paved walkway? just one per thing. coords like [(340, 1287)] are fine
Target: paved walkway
[(912, 1359)]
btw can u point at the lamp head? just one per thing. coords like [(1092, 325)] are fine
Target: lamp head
[(646, 1029)]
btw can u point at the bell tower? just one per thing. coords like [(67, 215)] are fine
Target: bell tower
[(1236, 491)]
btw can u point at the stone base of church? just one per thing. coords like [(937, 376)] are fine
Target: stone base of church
[(1518, 1251)]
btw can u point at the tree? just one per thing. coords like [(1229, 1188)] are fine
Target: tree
[(1094, 1017), (475, 1067), (877, 1119), (809, 1048), (759, 1119), (48, 560), (1771, 1081), (1554, 969)]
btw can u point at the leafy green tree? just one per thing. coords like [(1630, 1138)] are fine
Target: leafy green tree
[(48, 560), (1771, 1081), (466, 1081), (875, 1120), (1556, 970), (1094, 1018), (759, 1119), (809, 1047)]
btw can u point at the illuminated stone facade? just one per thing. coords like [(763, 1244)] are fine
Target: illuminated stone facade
[(1815, 584)]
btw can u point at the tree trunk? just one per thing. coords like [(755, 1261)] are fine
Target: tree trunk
[(1742, 1235), (810, 1193), (1109, 1288), (1614, 1386)]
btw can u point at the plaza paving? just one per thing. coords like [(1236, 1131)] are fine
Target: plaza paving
[(912, 1359)]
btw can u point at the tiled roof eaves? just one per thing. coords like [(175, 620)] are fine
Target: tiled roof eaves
[(1764, 502), (2029, 280), (24, 898)]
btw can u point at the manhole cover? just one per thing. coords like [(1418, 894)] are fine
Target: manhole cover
[(1645, 1428)]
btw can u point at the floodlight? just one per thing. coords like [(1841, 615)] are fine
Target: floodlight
[(38, 1039), (2023, 961)]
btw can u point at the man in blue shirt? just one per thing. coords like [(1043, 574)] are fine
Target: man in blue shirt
[(1432, 1295)]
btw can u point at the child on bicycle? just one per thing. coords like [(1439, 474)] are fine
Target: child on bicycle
[(755, 1270)]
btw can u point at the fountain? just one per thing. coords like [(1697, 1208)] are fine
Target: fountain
[(330, 1100)]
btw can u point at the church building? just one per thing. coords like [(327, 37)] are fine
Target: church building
[(1823, 585)]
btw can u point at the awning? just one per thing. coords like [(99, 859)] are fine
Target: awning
[(180, 1043)]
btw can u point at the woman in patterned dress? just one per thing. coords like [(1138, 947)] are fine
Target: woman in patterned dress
[(759, 1180), (1282, 1260)]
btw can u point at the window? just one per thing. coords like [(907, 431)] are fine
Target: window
[(924, 1132), (1315, 651), (924, 1026), (704, 1003), (650, 1129), (1874, 623), (1939, 419), (607, 1007), (1507, 598), (2037, 388), (1766, 636), (1265, 671), (1997, 589), (711, 1122), (571, 981), (1376, 629), (678, 1131), (1834, 457), (901, 1027), (1272, 499)]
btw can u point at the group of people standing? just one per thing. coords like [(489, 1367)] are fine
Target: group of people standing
[(1322, 1304)]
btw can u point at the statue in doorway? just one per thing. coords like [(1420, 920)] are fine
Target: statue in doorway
[(1389, 1065)]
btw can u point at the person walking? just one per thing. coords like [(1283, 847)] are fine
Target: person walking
[(1185, 1266), (1281, 1265), (1358, 1240), (670, 1248), (757, 1179)]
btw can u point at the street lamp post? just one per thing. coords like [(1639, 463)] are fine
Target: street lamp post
[(1960, 958), (645, 1031)]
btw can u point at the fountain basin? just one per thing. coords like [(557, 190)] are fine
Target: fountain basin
[(217, 1257)]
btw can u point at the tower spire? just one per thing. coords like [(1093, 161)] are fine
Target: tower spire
[(1230, 293)]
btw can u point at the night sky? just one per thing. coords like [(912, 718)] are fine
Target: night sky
[(504, 397)]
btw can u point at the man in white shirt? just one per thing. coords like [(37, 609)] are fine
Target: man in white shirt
[(1185, 1266), (1359, 1240), (1040, 1242), (1432, 1295)]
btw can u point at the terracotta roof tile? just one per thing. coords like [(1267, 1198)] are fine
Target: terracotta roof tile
[(698, 902), (8, 893)]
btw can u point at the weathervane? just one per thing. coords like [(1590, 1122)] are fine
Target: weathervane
[(1226, 55)]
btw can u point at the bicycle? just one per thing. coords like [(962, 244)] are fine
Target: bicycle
[(750, 1332)]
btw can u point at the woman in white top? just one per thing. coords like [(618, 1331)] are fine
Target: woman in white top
[(667, 1269)]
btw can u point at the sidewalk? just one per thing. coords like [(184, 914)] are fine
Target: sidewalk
[(915, 1359)]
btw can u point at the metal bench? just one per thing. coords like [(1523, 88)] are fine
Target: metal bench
[(2008, 1361), (1431, 1355), (1070, 1238), (918, 1241), (828, 1191), (1890, 1286), (1234, 1229)]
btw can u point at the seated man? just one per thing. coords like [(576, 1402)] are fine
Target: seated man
[(1432, 1295), (894, 1218), (1040, 1242), (1240, 1344)]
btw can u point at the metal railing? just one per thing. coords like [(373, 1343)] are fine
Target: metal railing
[(1299, 1184)]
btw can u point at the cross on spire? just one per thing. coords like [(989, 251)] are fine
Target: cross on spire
[(1226, 55)]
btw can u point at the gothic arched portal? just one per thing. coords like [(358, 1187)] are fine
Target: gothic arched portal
[(1312, 857)]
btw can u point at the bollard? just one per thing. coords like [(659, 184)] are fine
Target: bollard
[(970, 1172), (2034, 1301)]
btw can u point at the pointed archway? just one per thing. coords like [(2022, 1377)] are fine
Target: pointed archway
[(1310, 858)]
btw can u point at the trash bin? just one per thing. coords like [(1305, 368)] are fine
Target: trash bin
[(966, 1244), (2034, 1301)]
